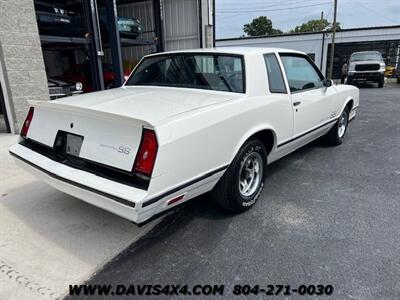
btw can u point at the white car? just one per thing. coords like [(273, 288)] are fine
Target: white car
[(184, 123)]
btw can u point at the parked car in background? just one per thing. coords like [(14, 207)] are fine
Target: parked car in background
[(128, 27), (81, 73), (366, 66), (185, 123), (60, 88), (49, 16), (56, 20)]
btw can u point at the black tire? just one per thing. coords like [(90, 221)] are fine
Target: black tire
[(334, 137), (381, 83), (227, 192)]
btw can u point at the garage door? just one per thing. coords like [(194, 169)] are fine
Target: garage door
[(181, 24)]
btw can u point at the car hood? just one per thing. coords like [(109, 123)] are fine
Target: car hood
[(151, 104)]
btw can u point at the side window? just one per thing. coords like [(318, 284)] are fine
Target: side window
[(300, 74), (275, 77)]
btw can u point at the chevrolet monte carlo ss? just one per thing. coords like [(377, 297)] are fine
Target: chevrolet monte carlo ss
[(185, 123)]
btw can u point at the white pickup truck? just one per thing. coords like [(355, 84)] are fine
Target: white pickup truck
[(185, 123), (366, 66)]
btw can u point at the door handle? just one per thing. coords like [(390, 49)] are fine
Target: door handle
[(296, 103)]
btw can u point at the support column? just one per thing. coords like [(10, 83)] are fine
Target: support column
[(95, 51), (115, 42)]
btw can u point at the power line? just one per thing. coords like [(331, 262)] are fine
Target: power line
[(237, 7), (267, 10), (374, 11)]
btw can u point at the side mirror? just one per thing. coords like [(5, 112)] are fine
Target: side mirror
[(326, 82)]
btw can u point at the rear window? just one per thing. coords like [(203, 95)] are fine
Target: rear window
[(218, 72)]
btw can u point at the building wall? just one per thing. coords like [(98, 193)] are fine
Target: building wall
[(309, 43), (312, 43), (181, 24), (21, 58)]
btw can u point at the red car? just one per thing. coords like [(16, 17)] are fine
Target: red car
[(81, 73)]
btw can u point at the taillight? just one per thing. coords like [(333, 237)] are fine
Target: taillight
[(27, 123), (146, 155)]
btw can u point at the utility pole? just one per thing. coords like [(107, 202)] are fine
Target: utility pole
[(333, 40)]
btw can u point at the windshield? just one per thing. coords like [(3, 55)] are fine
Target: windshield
[(218, 72), (366, 56)]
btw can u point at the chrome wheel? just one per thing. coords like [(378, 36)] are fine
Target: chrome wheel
[(342, 125), (250, 174)]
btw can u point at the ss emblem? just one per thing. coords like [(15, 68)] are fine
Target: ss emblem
[(124, 150)]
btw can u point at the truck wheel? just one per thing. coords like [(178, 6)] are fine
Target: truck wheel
[(243, 181), (349, 81), (381, 83), (335, 136)]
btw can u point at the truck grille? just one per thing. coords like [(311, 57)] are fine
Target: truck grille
[(368, 67)]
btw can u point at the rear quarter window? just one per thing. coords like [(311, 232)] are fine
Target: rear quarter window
[(274, 73)]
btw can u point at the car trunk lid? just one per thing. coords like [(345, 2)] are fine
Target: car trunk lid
[(107, 127)]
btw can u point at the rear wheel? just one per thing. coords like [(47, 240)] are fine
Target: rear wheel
[(243, 182), (335, 136)]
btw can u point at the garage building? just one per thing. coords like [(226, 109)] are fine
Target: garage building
[(47, 44), (317, 45)]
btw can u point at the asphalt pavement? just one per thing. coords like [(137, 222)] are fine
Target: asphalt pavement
[(327, 216)]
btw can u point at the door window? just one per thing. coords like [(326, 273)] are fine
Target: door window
[(300, 73)]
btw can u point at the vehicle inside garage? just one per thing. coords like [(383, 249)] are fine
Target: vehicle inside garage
[(82, 40), (91, 45)]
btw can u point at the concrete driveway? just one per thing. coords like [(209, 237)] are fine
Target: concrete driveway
[(48, 239)]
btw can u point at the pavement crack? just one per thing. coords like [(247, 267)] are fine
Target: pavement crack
[(22, 280)]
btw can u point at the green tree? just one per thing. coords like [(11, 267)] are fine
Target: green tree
[(314, 26), (260, 26)]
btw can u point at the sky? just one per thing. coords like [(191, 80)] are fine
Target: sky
[(231, 15)]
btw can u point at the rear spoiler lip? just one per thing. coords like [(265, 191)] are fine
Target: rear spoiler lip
[(93, 112)]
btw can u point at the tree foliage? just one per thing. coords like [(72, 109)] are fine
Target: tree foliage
[(315, 26), (260, 26)]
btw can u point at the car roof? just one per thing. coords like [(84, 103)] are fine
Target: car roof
[(233, 50)]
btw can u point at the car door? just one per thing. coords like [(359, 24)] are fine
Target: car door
[(313, 104), (282, 98)]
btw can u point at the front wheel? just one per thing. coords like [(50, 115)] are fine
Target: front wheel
[(381, 83), (349, 81), (335, 136), (243, 181)]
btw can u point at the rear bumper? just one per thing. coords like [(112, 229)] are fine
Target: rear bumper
[(115, 197), (134, 204)]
